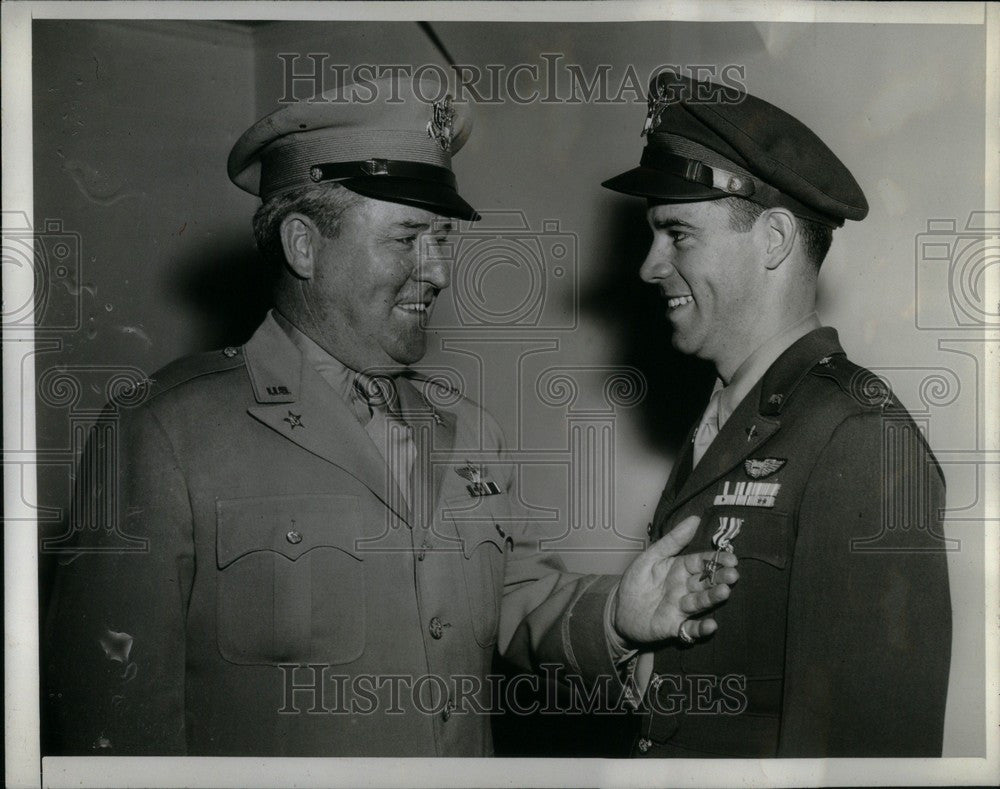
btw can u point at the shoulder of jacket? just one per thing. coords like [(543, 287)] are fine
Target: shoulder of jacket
[(198, 365), (863, 389)]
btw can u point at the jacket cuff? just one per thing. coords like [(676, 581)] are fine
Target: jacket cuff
[(587, 632)]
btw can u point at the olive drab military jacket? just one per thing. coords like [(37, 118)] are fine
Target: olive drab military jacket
[(836, 639), (264, 592)]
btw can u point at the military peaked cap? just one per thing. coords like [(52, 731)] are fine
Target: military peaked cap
[(706, 141)]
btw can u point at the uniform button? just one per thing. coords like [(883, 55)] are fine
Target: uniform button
[(649, 529), (436, 628), (644, 744), (776, 399), (449, 708), (293, 537), (230, 352), (422, 552)]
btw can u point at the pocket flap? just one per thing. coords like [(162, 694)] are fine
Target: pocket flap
[(475, 522), (764, 535), (289, 525)]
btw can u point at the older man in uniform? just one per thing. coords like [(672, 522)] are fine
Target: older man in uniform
[(836, 642), (334, 545)]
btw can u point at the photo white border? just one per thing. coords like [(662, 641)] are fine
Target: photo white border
[(23, 763)]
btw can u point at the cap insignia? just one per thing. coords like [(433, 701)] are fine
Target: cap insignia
[(657, 104), (441, 125)]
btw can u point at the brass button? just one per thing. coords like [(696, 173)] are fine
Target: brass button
[(316, 174), (230, 351), (293, 537), (644, 744), (422, 552), (436, 628), (449, 708)]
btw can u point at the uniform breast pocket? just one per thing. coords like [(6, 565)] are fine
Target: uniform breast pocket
[(291, 583), (751, 631), (480, 526)]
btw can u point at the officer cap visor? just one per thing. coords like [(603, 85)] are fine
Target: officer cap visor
[(439, 198), (658, 185)]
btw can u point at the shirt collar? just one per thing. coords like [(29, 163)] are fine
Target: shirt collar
[(758, 362), (338, 375)]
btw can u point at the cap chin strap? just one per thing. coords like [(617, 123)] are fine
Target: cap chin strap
[(390, 168), (736, 184)]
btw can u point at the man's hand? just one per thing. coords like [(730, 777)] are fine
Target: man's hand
[(660, 589)]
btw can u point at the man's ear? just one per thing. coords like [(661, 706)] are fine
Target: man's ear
[(299, 240), (780, 229)]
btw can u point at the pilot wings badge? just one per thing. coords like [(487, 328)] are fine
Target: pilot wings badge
[(765, 467), (476, 474), (441, 125)]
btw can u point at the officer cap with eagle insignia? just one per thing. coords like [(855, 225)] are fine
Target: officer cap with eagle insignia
[(706, 141), (385, 139)]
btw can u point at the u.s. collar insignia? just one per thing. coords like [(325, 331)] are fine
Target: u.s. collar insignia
[(481, 486), (441, 125), (765, 467)]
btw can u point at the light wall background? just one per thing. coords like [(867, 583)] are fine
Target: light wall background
[(133, 122)]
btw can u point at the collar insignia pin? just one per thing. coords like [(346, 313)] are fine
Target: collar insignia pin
[(295, 420)]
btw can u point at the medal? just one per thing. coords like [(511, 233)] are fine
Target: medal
[(723, 541)]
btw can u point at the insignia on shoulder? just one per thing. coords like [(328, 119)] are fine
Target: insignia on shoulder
[(764, 467), (870, 389)]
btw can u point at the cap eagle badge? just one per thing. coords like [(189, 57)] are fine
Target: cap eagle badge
[(441, 125)]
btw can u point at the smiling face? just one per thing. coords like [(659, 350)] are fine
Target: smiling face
[(711, 277), (374, 284)]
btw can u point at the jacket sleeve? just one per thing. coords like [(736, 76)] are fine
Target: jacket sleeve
[(869, 616), (551, 617), (116, 624)]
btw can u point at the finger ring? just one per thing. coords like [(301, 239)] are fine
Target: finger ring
[(682, 634)]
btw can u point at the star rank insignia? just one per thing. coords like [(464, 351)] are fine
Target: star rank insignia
[(765, 467), (441, 125), (295, 420)]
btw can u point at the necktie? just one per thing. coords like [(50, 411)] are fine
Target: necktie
[(708, 429), (388, 430)]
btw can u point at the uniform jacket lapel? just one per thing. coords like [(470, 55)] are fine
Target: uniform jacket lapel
[(295, 401), (757, 418)]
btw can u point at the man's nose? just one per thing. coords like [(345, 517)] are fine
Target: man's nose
[(656, 267), (434, 268)]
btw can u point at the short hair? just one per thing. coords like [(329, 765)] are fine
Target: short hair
[(324, 204), (816, 237)]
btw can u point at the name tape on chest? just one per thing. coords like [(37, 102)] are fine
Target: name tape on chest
[(748, 494)]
